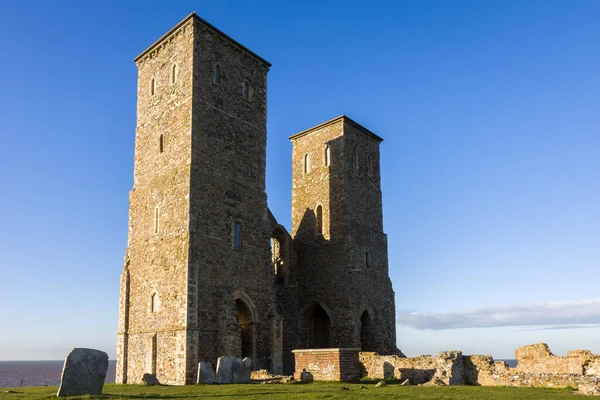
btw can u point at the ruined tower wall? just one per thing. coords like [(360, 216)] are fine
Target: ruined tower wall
[(228, 187), (367, 252), (344, 264), (157, 253), (318, 235)]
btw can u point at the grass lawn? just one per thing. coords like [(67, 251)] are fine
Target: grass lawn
[(318, 390)]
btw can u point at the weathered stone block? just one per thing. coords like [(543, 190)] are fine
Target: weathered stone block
[(241, 370), (84, 372), (150, 380), (225, 369), (206, 375)]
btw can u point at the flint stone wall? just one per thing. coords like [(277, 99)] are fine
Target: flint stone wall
[(537, 367)]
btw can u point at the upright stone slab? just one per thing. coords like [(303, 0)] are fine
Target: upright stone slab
[(84, 373), (225, 369), (242, 370), (206, 375)]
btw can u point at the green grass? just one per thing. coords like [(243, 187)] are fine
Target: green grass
[(318, 390)]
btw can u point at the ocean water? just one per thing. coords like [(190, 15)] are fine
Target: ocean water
[(39, 373), (511, 363)]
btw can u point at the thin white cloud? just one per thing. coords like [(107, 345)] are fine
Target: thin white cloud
[(569, 313)]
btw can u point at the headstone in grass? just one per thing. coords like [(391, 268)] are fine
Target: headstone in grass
[(150, 380), (306, 376), (225, 369), (83, 373), (241, 370), (206, 375)]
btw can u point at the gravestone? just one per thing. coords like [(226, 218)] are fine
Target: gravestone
[(150, 380), (84, 372), (206, 375), (242, 370), (225, 369)]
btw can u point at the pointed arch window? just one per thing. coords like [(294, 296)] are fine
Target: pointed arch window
[(306, 163), (319, 219), (154, 302), (327, 156), (247, 90)]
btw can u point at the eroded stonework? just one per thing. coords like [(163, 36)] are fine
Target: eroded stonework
[(209, 271), (537, 367)]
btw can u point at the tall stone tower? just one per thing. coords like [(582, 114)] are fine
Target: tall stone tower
[(197, 280), (337, 226)]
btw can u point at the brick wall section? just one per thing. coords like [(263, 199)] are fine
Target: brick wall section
[(328, 364)]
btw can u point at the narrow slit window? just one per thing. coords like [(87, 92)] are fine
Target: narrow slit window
[(153, 86), (355, 157), (306, 163), (237, 235), (161, 144), (246, 91), (370, 165), (319, 219), (174, 74), (154, 303), (327, 156), (156, 212), (367, 260), (217, 74)]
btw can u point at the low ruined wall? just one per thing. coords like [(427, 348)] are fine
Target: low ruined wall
[(327, 364), (537, 367)]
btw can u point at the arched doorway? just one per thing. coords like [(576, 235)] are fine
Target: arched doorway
[(244, 317), (318, 334), (367, 342)]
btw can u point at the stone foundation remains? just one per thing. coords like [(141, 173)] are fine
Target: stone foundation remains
[(537, 367)]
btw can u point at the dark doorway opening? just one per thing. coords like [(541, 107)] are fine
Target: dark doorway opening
[(318, 328), (244, 318), (367, 342)]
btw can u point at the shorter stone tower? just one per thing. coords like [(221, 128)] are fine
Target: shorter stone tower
[(337, 229)]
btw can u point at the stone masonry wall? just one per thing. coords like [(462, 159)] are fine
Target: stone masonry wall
[(156, 261), (228, 187), (537, 367), (337, 230)]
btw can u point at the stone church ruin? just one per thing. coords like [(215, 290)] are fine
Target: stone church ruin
[(208, 270)]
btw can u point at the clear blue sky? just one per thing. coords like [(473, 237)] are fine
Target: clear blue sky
[(490, 163)]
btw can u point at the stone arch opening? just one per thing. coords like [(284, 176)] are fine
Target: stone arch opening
[(367, 337), (246, 322), (319, 215), (318, 328), (279, 256)]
